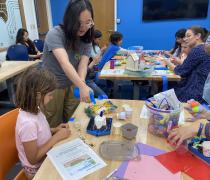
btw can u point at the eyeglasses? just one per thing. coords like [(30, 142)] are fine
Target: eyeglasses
[(89, 24)]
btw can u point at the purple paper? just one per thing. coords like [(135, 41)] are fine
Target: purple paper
[(145, 150), (149, 150), (121, 170)]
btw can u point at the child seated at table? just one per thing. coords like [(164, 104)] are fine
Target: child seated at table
[(34, 138), (114, 47), (174, 61), (96, 53), (176, 50)]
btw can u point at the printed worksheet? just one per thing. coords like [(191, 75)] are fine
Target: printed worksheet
[(75, 159)]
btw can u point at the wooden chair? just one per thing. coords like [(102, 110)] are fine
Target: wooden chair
[(8, 151)]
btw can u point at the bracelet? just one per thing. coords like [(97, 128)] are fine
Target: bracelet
[(207, 130), (200, 129)]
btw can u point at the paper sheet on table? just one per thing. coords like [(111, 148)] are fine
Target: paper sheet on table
[(145, 149), (145, 114), (149, 168), (112, 72), (159, 72), (148, 150), (75, 159), (185, 162)]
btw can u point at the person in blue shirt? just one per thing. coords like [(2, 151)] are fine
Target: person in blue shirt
[(112, 49)]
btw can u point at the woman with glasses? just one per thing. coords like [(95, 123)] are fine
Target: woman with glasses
[(195, 67), (66, 53)]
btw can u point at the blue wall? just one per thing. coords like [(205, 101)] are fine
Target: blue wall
[(152, 35), (58, 8)]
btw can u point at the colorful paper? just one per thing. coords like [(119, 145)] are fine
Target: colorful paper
[(149, 150), (148, 168), (144, 149), (186, 163)]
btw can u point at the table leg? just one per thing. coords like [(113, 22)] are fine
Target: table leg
[(136, 91)]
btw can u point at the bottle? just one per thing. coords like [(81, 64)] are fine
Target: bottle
[(77, 95), (100, 120)]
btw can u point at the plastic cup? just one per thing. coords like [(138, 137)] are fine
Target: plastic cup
[(112, 62)]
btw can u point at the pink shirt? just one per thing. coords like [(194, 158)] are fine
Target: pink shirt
[(31, 127)]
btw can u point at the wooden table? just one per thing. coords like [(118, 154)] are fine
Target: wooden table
[(8, 70), (136, 79), (171, 77), (48, 172)]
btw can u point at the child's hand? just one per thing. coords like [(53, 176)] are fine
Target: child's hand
[(163, 62), (97, 58), (178, 135), (62, 133), (176, 60), (62, 125), (103, 49)]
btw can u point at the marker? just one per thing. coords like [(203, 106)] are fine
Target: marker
[(110, 174), (92, 98)]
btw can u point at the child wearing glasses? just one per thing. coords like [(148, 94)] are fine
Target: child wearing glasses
[(66, 54)]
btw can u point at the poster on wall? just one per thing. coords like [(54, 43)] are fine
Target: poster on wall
[(10, 22)]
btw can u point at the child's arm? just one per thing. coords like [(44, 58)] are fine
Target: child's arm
[(123, 51), (178, 135), (94, 61), (35, 154)]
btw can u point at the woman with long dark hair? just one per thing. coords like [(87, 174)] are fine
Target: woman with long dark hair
[(66, 53), (195, 68), (22, 38)]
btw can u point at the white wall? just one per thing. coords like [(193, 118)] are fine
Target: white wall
[(49, 14), (3, 56), (31, 24), (30, 17)]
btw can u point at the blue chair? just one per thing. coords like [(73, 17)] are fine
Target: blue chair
[(39, 44), (17, 52)]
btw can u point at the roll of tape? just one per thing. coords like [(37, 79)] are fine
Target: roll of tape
[(121, 115)]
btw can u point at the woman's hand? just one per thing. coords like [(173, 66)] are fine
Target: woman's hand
[(202, 114), (85, 94)]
